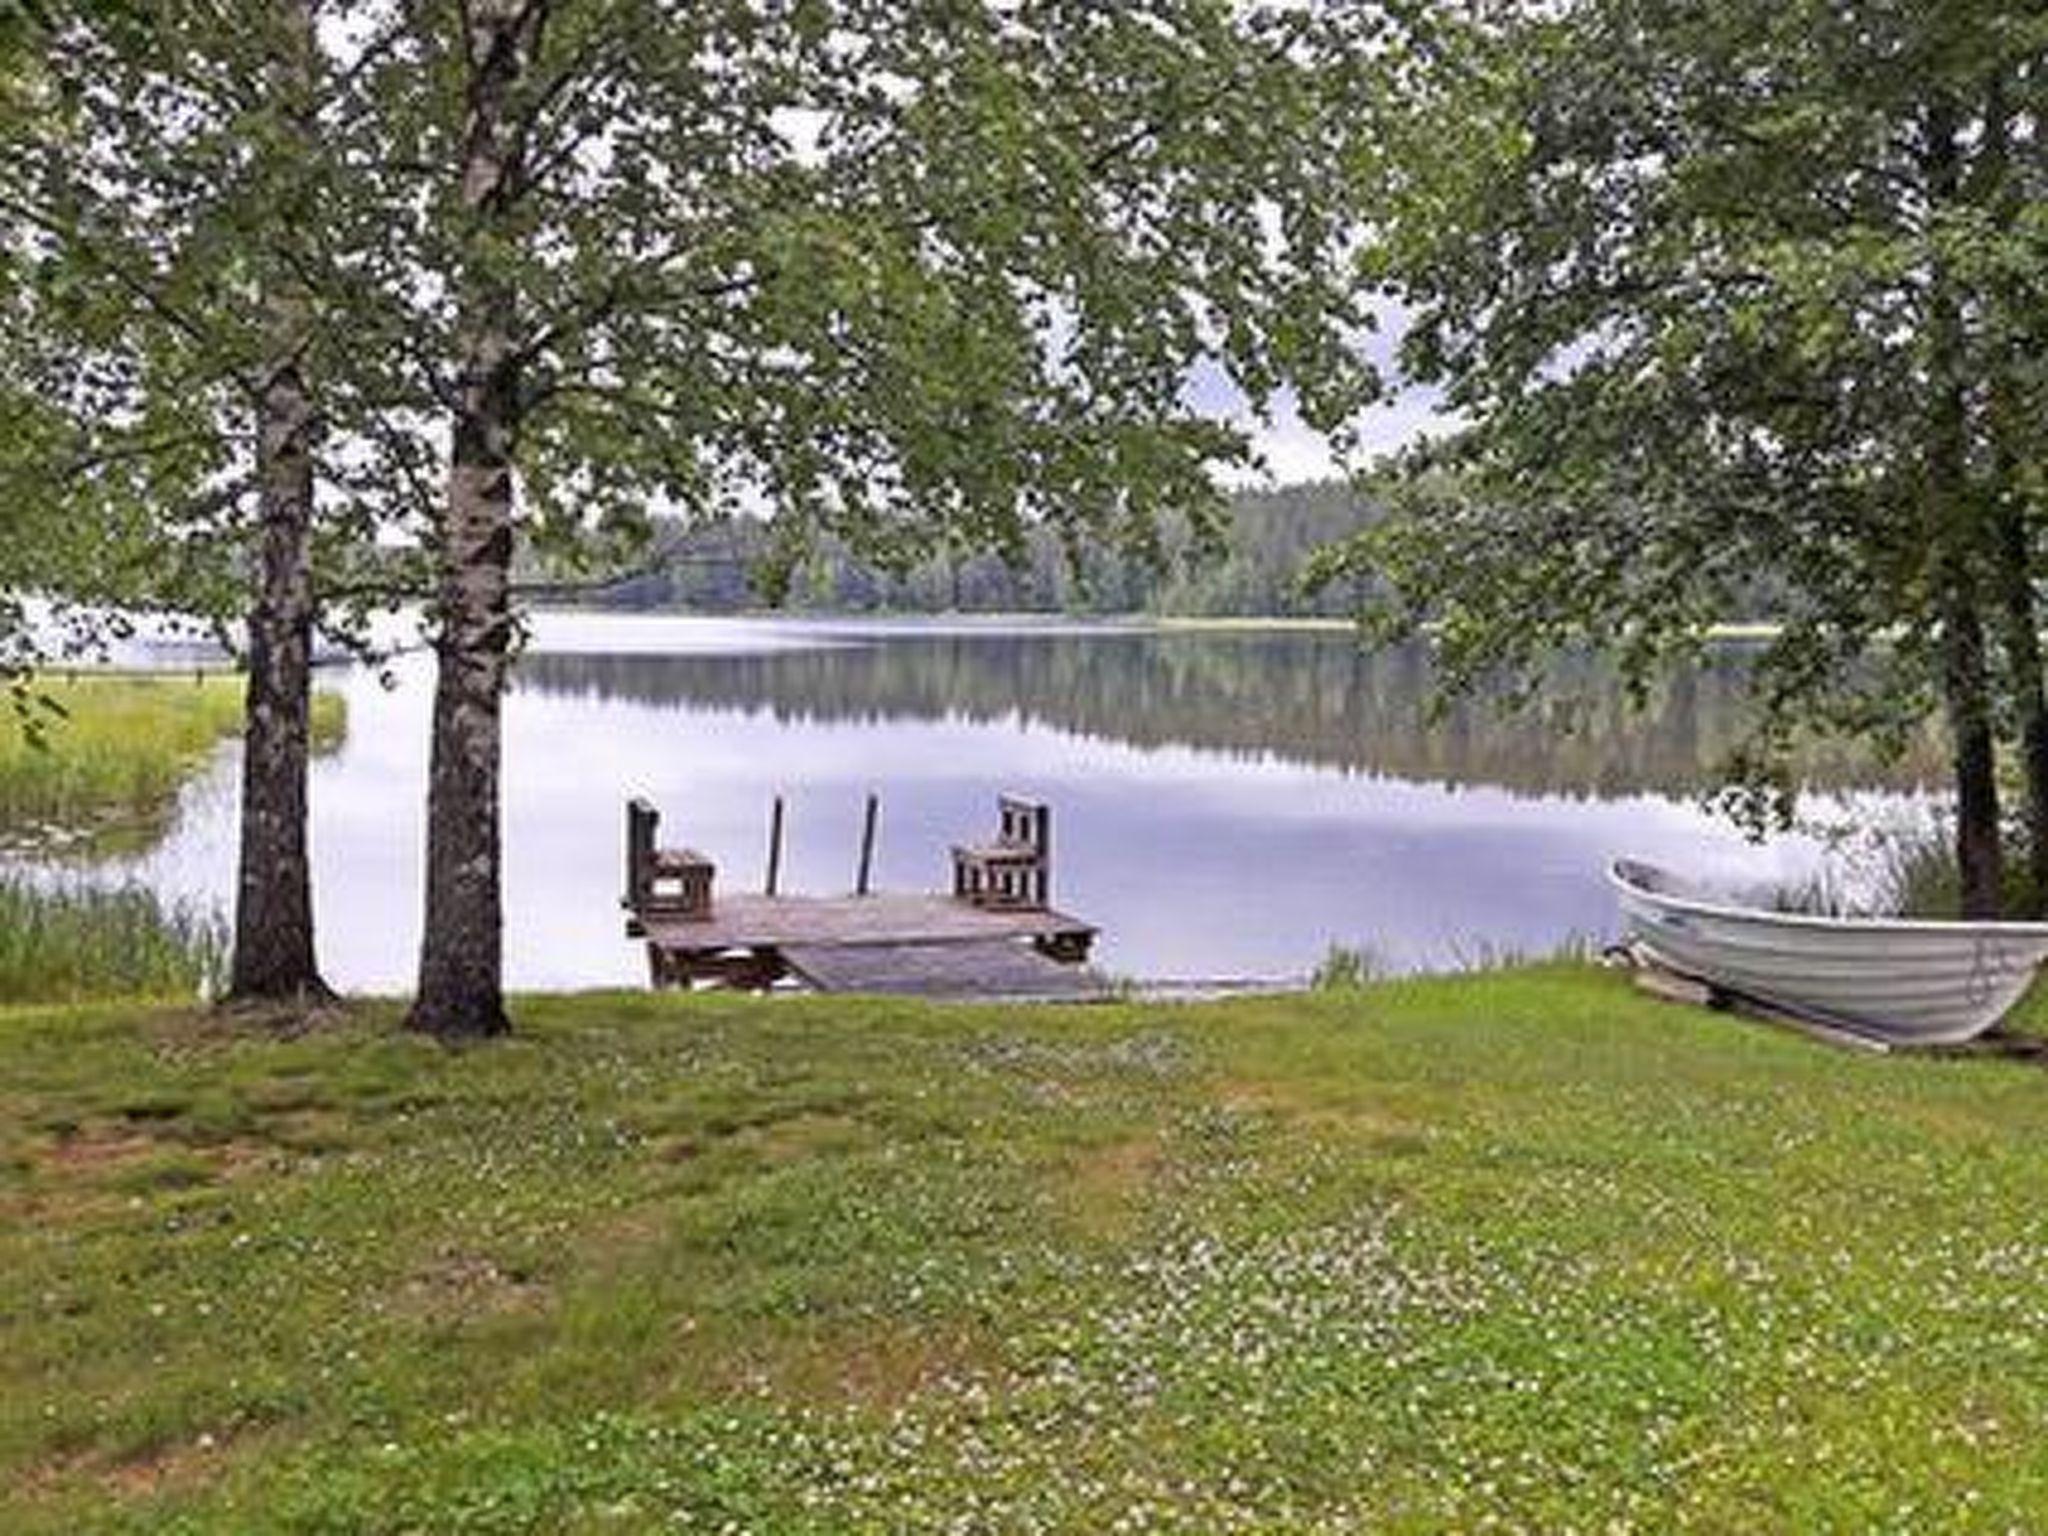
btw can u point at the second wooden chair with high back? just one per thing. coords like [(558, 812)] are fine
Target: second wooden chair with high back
[(1015, 870)]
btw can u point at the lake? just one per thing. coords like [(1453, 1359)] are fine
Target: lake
[(1227, 803)]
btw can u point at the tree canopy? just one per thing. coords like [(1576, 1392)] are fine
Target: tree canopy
[(1727, 294)]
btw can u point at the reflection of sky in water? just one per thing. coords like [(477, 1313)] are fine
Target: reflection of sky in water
[(629, 634), (1196, 863)]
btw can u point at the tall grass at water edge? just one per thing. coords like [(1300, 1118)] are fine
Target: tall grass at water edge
[(112, 753), (1347, 968), (75, 943), (1906, 870)]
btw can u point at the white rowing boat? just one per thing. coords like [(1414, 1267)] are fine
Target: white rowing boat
[(1909, 982)]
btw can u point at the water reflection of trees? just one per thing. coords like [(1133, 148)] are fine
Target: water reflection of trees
[(1316, 699)]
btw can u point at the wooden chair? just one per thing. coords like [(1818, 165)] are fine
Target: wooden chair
[(1014, 871), (663, 882)]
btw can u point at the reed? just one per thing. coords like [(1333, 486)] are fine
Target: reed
[(74, 943), (103, 767), (1345, 968), (1904, 869), (1477, 955)]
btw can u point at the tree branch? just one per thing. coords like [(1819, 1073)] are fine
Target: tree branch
[(152, 298)]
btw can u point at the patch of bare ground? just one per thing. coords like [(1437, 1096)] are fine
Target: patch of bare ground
[(94, 1155), (457, 1283), (1106, 1185), (182, 1465), (168, 1468), (792, 1138), (176, 1030), (88, 1153), (1306, 1107), (311, 1131)]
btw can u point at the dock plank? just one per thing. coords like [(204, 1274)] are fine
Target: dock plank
[(742, 921), (979, 968)]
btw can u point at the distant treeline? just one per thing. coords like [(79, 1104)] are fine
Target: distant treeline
[(1255, 571)]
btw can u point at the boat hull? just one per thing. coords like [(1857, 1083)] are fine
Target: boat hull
[(1918, 983)]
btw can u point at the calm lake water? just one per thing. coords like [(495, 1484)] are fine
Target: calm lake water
[(1226, 804)]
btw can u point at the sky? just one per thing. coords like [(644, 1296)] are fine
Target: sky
[(1293, 451)]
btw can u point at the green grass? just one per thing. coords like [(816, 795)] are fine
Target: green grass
[(1421, 1255), (71, 943), (107, 774)]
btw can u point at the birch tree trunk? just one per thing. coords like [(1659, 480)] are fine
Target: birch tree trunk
[(274, 955), (461, 953)]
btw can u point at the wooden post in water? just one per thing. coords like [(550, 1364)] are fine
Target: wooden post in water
[(774, 847), (867, 846)]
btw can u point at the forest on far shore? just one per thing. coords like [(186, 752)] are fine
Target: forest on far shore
[(1256, 569)]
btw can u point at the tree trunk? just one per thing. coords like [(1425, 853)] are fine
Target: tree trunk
[(1965, 683), (461, 953), (1955, 528), (2012, 529), (273, 955), (2022, 636)]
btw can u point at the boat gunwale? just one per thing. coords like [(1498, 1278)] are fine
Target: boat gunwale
[(1950, 927)]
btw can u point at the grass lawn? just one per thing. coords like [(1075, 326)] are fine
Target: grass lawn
[(1519, 1248), (113, 761)]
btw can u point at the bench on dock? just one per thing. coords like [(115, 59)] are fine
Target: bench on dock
[(1014, 872), (663, 882)]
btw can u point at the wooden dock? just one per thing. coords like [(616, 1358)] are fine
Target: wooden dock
[(997, 936), (913, 944)]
